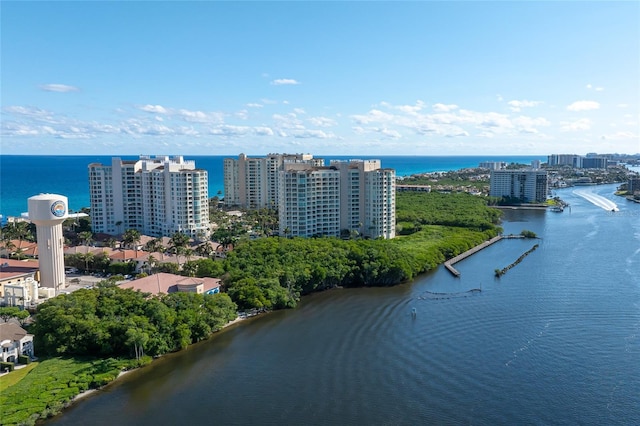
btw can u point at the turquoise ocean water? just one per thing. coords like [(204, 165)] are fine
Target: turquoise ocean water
[(22, 176)]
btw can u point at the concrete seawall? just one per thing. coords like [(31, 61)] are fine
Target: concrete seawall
[(449, 263)]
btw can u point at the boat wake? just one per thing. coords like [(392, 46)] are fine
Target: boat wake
[(598, 200)]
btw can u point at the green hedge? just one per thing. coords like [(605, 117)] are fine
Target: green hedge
[(6, 365), (53, 383), (24, 359)]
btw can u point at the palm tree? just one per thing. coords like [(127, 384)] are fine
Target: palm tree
[(178, 251), (201, 235), (204, 249), (178, 240), (152, 263), (131, 238), (190, 269), (87, 258), (18, 230), (19, 253), (154, 245), (8, 245), (188, 252), (85, 237), (119, 226)]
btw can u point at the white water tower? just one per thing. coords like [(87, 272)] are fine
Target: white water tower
[(48, 211)]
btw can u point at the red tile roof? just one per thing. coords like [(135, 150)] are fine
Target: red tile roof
[(168, 283), (12, 267)]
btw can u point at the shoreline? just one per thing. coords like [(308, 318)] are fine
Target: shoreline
[(84, 394), (520, 207)]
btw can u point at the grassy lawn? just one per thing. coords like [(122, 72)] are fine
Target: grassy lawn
[(15, 376), (50, 385)]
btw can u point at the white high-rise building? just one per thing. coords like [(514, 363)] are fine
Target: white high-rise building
[(527, 185), (314, 199), (493, 165), (252, 182), (158, 196), (356, 195), (309, 201)]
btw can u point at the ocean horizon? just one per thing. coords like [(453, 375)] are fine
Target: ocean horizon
[(23, 176)]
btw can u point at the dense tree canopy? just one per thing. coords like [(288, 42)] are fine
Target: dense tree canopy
[(110, 321), (267, 273), (441, 226)]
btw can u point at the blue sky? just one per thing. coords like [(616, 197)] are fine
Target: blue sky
[(375, 78)]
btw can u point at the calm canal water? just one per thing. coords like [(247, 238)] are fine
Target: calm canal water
[(554, 341)]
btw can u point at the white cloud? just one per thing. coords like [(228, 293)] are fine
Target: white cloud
[(30, 112), (60, 88), (254, 105), (156, 109), (200, 116), (299, 111), (263, 131), (407, 109), (491, 119), (373, 116), (288, 121), (229, 130), (575, 126), (444, 107), (15, 129), (284, 81), (623, 105), (322, 121), (393, 134), (583, 106), (462, 133), (184, 114), (516, 106), (597, 89), (621, 135), (529, 124), (311, 133)]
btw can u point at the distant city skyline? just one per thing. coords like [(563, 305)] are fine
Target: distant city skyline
[(341, 78)]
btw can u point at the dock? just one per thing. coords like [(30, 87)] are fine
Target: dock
[(449, 263)]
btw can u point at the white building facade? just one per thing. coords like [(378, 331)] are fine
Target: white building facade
[(158, 196), (348, 196), (527, 185), (252, 182)]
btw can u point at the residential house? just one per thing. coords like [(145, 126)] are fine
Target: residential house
[(14, 341), (171, 283), (22, 273)]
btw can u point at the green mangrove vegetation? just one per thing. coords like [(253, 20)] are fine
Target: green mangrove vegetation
[(273, 273), (124, 328), (43, 390), (109, 321)]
